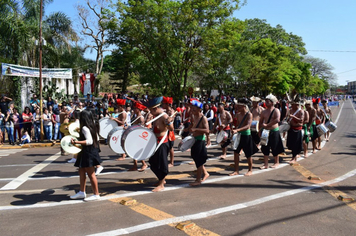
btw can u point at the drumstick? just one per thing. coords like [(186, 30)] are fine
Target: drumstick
[(174, 113), (162, 114)]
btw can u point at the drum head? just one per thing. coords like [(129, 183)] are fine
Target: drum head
[(73, 129), (186, 143), (68, 146), (114, 140), (106, 125), (220, 137), (139, 143)]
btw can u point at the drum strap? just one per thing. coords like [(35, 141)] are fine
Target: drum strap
[(270, 116), (162, 140), (243, 119), (294, 114)]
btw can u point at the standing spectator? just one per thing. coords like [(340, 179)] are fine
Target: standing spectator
[(27, 120), (4, 103), (9, 125), (87, 100), (37, 124), (2, 128), (93, 100), (55, 104), (47, 124), (17, 120), (56, 125), (34, 103), (76, 100), (105, 101), (50, 102)]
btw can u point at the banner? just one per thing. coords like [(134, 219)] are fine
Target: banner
[(24, 71)]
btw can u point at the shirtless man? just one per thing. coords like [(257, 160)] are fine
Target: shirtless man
[(138, 119), (311, 124), (306, 130), (269, 121), (319, 119), (295, 137), (161, 126), (148, 116), (167, 105), (199, 128), (121, 119), (328, 116), (256, 111), (242, 126), (223, 120)]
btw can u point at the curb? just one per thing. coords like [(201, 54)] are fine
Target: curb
[(32, 145)]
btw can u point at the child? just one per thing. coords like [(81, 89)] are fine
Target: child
[(25, 138)]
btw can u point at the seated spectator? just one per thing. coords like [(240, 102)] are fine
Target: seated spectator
[(25, 138)]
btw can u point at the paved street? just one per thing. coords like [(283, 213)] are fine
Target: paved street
[(35, 185)]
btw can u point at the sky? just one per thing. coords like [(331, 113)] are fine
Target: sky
[(327, 27)]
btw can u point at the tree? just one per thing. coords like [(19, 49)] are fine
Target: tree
[(322, 69), (170, 37), (95, 19)]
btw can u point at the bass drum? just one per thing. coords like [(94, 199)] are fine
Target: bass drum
[(264, 137), (114, 140), (106, 125), (331, 126), (138, 142), (321, 129), (221, 137)]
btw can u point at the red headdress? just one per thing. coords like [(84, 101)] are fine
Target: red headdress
[(316, 100), (120, 102), (168, 100), (140, 106)]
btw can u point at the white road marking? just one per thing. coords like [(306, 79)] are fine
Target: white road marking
[(222, 210), (14, 184)]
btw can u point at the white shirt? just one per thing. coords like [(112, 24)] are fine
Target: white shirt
[(87, 135)]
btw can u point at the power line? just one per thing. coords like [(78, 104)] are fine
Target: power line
[(331, 51), (346, 71)]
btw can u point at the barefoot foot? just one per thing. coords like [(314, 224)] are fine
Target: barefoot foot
[(234, 173), (196, 183), (205, 177), (249, 173), (263, 167), (274, 165), (170, 165), (143, 168), (158, 188)]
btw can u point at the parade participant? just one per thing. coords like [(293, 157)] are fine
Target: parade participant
[(186, 119), (311, 124), (199, 128), (319, 119), (209, 114), (148, 116), (242, 125), (295, 137), (120, 119), (256, 111), (64, 119), (161, 126), (138, 119), (223, 122), (305, 128), (284, 110), (269, 121), (328, 116), (88, 157), (167, 105)]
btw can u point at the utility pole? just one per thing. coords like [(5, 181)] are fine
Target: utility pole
[(40, 65)]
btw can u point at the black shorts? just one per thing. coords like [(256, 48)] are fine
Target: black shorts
[(171, 144), (295, 141), (199, 153), (159, 161), (274, 143), (315, 134), (247, 145), (256, 138)]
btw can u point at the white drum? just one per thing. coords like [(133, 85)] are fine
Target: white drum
[(331, 126), (73, 129), (321, 129), (221, 137), (186, 143), (114, 140), (254, 126), (235, 141), (138, 142), (67, 145), (106, 125), (264, 137)]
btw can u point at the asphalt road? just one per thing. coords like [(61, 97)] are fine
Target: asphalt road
[(35, 185)]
